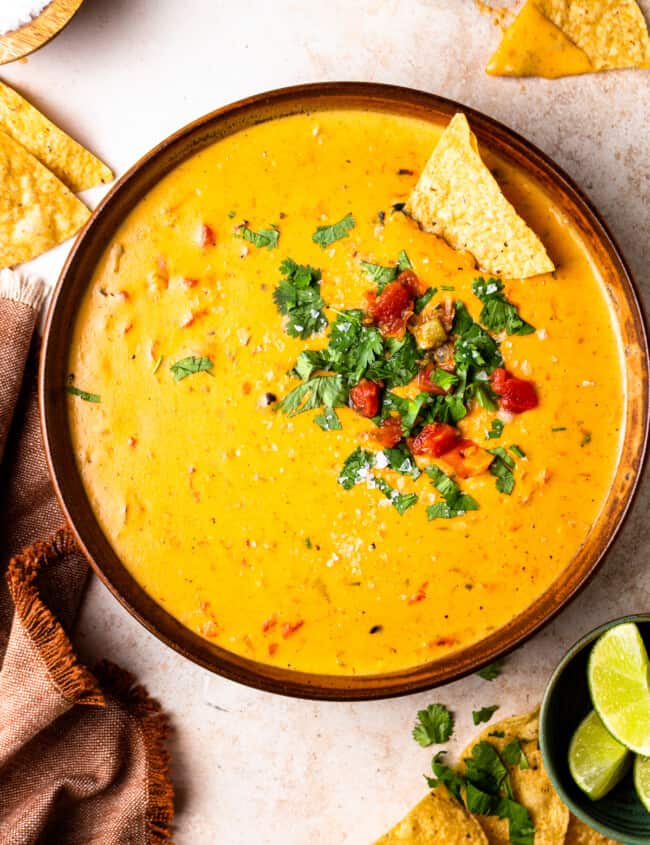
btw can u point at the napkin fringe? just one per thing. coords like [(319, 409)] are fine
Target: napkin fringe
[(155, 729), (19, 288), (73, 680)]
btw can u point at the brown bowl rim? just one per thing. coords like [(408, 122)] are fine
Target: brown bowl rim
[(291, 682), (54, 18)]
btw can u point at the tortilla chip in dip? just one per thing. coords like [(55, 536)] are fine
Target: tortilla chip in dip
[(459, 199), (77, 168), (553, 38), (530, 786), (37, 211), (578, 833), (437, 820)]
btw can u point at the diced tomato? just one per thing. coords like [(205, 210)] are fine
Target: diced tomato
[(394, 305), (364, 398), (290, 628), (207, 236), (426, 384), (516, 395), (435, 440), (389, 432), (468, 459)]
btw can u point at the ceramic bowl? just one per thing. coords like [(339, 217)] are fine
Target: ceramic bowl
[(79, 269), (619, 815), (41, 29)]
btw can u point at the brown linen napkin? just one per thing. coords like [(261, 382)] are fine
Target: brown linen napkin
[(82, 756)]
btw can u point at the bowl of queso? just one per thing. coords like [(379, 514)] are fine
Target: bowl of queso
[(308, 441)]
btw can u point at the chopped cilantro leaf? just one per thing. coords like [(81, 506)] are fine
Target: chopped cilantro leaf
[(422, 301), (356, 468), (82, 394), (326, 391), (352, 347), (298, 298), (445, 776), (514, 755), (326, 235), (264, 238), (403, 261), (188, 366), (502, 467), (408, 409), (476, 355), (559, 428), (484, 714), (400, 501), (231, 214), (491, 671), (498, 314), (444, 379), (328, 420), (401, 364), (456, 503), (496, 430), (308, 542), (380, 274), (401, 460), (447, 287), (517, 451), (433, 725), (586, 438)]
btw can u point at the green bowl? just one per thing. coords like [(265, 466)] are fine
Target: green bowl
[(619, 815)]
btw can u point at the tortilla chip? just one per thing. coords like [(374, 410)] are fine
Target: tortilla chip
[(613, 33), (459, 199), (73, 164), (531, 787), (437, 820), (533, 46), (579, 834), (37, 211)]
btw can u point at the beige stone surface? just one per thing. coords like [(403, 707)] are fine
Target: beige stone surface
[(251, 767)]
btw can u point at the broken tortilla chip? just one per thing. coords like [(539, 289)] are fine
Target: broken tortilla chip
[(533, 46), (530, 786), (77, 168), (459, 199), (579, 833), (553, 38), (37, 211), (437, 820)]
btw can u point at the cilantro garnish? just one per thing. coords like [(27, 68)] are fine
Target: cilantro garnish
[(83, 394), (456, 503), (403, 261), (498, 313), (357, 469), (502, 467), (328, 420), (190, 365), (401, 460), (308, 542), (447, 287), (326, 235), (559, 428), (298, 298), (326, 391), (443, 379), (380, 274), (476, 355), (264, 238), (517, 451), (400, 501), (491, 671), (401, 363), (408, 409), (484, 714), (496, 430), (421, 301), (586, 438), (514, 755), (433, 725)]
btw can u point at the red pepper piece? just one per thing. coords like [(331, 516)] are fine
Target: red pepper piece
[(389, 432), (364, 398), (468, 459), (394, 305), (207, 236), (516, 395), (435, 440)]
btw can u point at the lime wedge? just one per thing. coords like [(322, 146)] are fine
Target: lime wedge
[(597, 761), (618, 682), (642, 779)]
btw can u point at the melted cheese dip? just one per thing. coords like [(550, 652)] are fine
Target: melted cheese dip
[(229, 513)]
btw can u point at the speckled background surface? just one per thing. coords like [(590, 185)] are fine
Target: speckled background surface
[(251, 767)]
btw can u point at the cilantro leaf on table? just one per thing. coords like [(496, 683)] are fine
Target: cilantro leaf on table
[(298, 298), (268, 238), (83, 394), (514, 754), (484, 714), (326, 391), (326, 235), (433, 725), (502, 467), (190, 365), (498, 314), (491, 671), (445, 776), (456, 503)]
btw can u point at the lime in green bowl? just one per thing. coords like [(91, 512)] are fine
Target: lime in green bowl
[(619, 814)]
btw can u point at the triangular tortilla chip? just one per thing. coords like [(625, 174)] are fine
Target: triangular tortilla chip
[(459, 199), (533, 46), (613, 33), (437, 820), (579, 834), (77, 168), (37, 211), (531, 787)]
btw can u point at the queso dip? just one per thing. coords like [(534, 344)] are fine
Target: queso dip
[(230, 508)]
